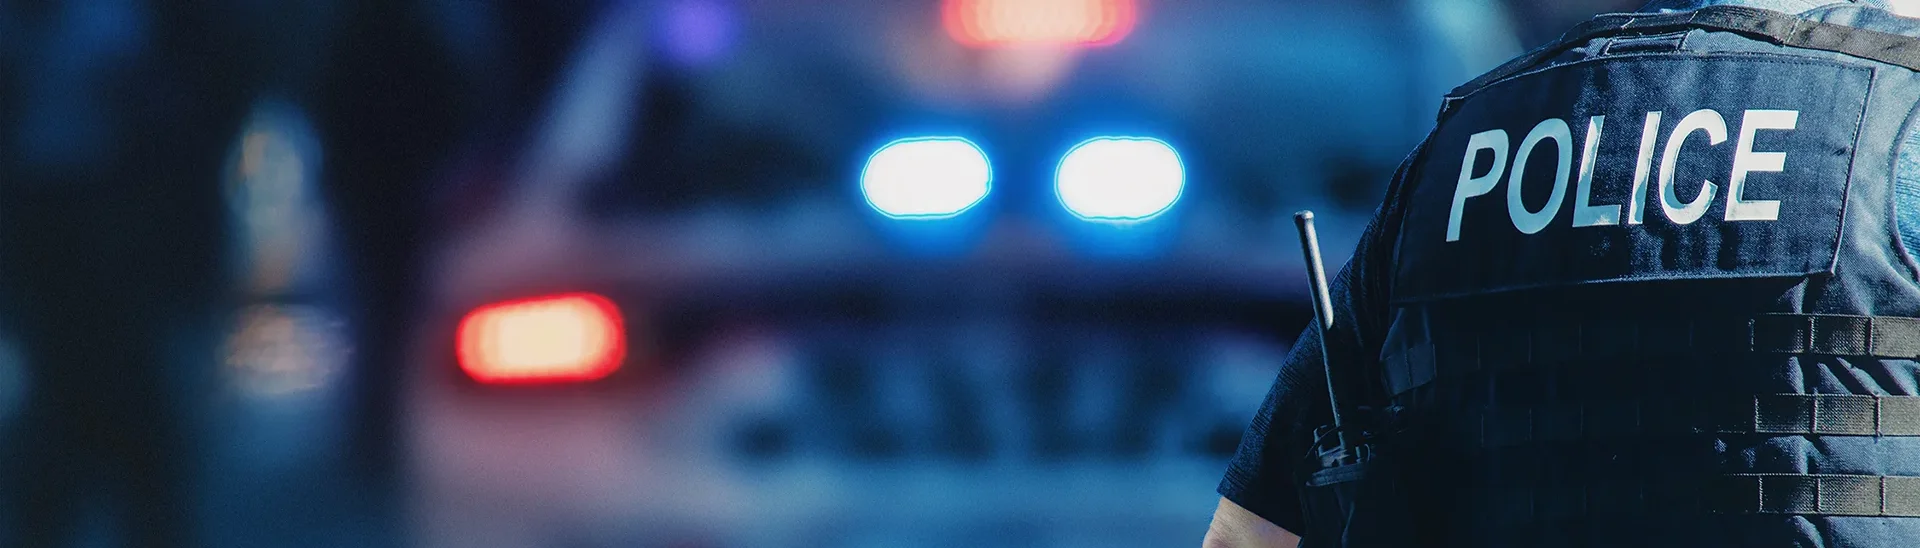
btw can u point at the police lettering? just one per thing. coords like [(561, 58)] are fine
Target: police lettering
[(1707, 123)]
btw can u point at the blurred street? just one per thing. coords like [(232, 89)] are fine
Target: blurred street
[(677, 273)]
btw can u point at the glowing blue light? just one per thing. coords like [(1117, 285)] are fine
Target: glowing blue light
[(926, 178), (1120, 179), (699, 32)]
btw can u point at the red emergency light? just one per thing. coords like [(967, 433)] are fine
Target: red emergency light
[(981, 23), (575, 337)]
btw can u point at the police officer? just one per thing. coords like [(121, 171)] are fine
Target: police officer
[(1653, 284)]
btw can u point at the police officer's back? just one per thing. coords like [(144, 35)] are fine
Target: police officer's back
[(1647, 286)]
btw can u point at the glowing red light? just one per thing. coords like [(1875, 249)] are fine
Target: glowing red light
[(979, 23), (576, 337)]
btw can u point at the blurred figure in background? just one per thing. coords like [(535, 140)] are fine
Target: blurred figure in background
[(110, 233), (112, 236)]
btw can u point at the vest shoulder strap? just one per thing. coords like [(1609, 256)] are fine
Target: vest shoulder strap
[(1770, 26)]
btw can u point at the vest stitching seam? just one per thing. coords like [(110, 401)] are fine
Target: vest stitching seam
[(1753, 342), (1883, 496), (1872, 326), (1808, 338), (1879, 410), (1819, 485), (1813, 425)]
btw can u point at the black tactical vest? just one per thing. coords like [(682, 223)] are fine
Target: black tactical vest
[(1649, 290)]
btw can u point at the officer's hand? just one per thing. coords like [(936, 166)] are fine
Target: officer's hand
[(1235, 527)]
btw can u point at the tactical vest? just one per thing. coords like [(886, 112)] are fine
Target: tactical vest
[(1649, 290)]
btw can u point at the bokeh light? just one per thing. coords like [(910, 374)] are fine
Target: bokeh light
[(698, 32), (282, 350), (564, 338), (1120, 179), (926, 178), (1001, 22), (272, 190)]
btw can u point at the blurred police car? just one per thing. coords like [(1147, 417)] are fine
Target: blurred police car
[(852, 273)]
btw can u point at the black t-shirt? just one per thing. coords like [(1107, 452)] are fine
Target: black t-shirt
[(1262, 476)]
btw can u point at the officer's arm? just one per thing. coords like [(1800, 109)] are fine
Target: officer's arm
[(1235, 527)]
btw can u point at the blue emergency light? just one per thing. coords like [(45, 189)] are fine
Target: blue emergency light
[(1120, 179), (926, 178)]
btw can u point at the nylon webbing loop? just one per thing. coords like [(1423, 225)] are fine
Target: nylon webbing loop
[(1815, 494), (1880, 336), (1780, 414), (1774, 27)]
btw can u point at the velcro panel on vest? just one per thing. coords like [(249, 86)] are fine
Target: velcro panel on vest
[(1781, 414), (1629, 169)]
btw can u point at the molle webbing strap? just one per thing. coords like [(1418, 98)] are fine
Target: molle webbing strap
[(1463, 347), (1770, 414), (1773, 27), (1878, 336), (1815, 494), (1727, 494), (1467, 346)]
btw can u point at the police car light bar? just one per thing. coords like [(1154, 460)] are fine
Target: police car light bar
[(926, 178), (575, 337), (1120, 179), (980, 23)]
